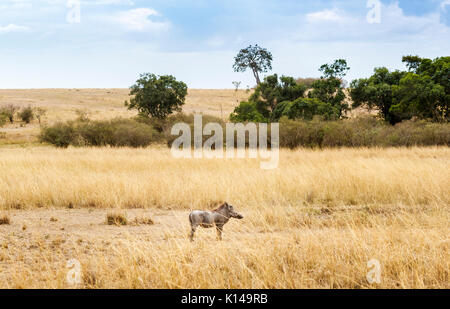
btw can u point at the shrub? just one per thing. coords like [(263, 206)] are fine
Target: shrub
[(3, 120), (60, 135), (115, 133), (163, 127), (132, 134), (246, 111), (9, 111), (26, 114), (361, 132)]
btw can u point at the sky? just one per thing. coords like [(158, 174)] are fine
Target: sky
[(109, 43)]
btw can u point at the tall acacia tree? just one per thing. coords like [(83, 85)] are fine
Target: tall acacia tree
[(256, 58)]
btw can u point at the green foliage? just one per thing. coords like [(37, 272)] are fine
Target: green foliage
[(331, 92), (157, 96), (26, 114), (274, 90), (306, 109), (377, 92), (115, 133), (256, 58), (329, 89), (423, 92), (278, 97), (60, 134), (417, 95), (336, 70), (247, 112)]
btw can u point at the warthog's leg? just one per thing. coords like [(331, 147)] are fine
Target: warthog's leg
[(219, 229), (191, 235)]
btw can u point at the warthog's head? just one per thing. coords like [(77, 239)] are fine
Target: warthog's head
[(233, 213)]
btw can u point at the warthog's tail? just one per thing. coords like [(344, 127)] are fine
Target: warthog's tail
[(190, 218)]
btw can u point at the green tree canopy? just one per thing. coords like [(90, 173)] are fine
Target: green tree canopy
[(329, 88), (423, 92), (306, 109), (247, 112), (274, 90), (157, 96), (377, 92), (417, 95)]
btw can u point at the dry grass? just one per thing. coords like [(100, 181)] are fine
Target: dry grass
[(4, 220), (152, 178), (116, 219), (314, 222)]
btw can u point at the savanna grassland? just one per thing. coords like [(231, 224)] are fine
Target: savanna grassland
[(99, 104), (314, 222)]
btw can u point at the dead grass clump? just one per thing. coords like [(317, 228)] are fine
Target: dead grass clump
[(143, 221), (4, 220), (117, 219)]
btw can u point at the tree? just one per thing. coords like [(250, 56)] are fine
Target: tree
[(423, 92), (274, 90), (338, 69), (278, 97), (417, 95), (377, 92), (40, 112), (236, 85), (329, 89), (412, 62), (157, 96), (258, 59)]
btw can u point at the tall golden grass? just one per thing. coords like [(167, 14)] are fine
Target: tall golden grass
[(314, 222), (146, 178)]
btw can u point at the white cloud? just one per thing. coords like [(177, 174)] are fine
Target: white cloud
[(16, 5), (13, 28), (139, 20), (333, 15), (338, 26), (444, 4)]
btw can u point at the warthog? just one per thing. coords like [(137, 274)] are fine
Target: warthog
[(207, 219)]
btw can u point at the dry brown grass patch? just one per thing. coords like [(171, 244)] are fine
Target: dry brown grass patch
[(4, 220), (116, 218)]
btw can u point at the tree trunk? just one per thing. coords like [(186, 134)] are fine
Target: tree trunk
[(255, 73)]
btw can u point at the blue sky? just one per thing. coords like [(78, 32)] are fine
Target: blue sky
[(196, 40)]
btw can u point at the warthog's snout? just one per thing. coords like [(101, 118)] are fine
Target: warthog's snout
[(239, 216)]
